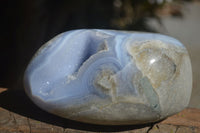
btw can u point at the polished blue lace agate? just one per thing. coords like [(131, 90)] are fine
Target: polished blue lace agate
[(110, 77)]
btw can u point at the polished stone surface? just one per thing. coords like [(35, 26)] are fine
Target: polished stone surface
[(110, 77)]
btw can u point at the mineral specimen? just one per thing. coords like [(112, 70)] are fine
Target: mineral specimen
[(110, 77)]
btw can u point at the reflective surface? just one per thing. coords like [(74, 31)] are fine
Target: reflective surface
[(110, 77)]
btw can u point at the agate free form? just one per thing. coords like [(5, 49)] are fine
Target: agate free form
[(110, 77)]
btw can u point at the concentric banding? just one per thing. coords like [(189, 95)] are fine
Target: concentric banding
[(90, 75)]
